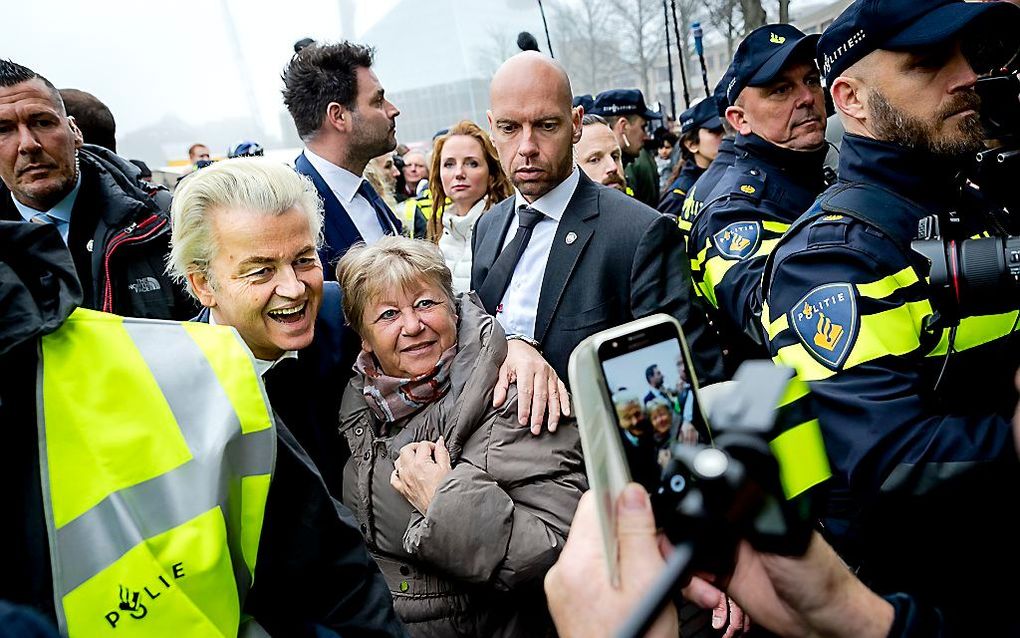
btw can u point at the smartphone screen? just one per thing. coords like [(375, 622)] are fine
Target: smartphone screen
[(653, 390)]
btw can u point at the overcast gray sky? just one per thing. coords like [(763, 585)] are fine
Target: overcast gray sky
[(200, 63), (148, 60)]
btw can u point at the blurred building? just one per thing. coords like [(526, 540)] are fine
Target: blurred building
[(429, 109), (435, 58)]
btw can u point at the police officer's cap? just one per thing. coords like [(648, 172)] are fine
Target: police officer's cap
[(621, 103), (587, 102), (719, 93), (704, 114), (905, 25), (763, 54)]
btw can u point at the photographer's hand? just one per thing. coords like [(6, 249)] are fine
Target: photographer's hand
[(581, 599), (812, 595)]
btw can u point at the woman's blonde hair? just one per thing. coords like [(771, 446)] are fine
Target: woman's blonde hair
[(498, 189), (249, 183), (365, 273)]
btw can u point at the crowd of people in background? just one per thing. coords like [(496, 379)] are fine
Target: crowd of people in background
[(354, 415)]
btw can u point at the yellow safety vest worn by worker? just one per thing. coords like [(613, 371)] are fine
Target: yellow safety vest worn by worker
[(156, 452)]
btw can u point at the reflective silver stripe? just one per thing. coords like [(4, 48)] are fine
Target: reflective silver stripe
[(221, 455), (44, 481), (173, 357), (99, 537)]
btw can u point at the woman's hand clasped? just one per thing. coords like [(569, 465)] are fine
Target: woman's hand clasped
[(419, 470)]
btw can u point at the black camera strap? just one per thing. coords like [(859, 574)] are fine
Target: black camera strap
[(895, 216)]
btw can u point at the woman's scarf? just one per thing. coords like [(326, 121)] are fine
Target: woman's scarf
[(393, 398)]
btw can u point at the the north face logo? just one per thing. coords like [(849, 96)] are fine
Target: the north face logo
[(144, 284)]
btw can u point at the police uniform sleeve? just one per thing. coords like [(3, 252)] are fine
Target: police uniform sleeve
[(729, 244), (848, 319), (672, 203), (661, 282), (420, 224)]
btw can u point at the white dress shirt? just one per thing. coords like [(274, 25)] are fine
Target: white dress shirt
[(519, 308), (344, 185)]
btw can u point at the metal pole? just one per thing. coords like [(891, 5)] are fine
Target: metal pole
[(681, 47), (545, 24), (669, 63)]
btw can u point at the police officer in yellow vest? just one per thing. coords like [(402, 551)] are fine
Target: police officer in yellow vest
[(415, 215), (147, 489)]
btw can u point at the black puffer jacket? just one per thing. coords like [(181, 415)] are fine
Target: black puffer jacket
[(119, 239)]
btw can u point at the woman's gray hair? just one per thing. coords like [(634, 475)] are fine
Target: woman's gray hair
[(367, 272), (255, 184), (658, 402)]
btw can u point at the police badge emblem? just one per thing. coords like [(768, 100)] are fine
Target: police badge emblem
[(738, 240), (826, 321)]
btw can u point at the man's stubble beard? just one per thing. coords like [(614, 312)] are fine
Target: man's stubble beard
[(365, 147), (535, 190), (893, 125)]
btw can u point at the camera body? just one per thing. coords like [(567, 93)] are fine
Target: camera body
[(752, 475), (981, 275)]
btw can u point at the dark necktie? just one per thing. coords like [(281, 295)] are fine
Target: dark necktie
[(498, 280), (387, 220)]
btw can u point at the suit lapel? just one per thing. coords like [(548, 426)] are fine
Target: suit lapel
[(491, 243), (339, 230), (578, 219)]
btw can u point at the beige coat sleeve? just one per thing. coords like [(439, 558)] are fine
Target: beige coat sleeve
[(503, 513)]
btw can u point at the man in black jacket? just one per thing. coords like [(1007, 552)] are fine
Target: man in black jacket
[(313, 576), (117, 232)]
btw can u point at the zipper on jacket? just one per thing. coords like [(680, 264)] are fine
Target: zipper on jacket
[(151, 225)]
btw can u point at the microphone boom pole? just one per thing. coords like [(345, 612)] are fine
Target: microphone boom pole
[(681, 48), (545, 24)]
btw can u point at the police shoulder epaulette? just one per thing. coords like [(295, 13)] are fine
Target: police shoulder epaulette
[(829, 229), (832, 218), (750, 185)]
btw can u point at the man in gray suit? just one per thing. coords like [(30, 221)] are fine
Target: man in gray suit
[(598, 257)]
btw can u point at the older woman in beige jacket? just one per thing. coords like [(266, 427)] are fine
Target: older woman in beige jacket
[(463, 508)]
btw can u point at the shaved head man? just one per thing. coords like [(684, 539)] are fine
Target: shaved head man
[(533, 124), (615, 259), (937, 112)]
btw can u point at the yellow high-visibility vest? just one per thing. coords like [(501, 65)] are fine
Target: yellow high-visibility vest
[(156, 452)]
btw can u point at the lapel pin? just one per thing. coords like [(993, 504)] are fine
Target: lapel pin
[(571, 237), (88, 246)]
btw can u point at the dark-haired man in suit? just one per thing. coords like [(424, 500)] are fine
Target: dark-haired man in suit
[(595, 257), (342, 114)]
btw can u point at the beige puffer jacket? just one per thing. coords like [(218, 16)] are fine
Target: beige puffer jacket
[(473, 564)]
